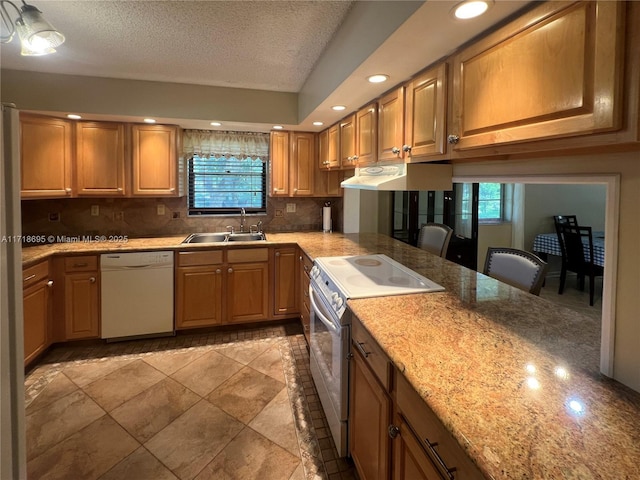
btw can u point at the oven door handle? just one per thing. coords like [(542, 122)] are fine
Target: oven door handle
[(327, 322)]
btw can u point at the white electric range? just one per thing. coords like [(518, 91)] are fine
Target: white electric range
[(334, 280)]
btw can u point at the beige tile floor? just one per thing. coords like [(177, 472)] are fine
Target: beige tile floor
[(226, 405)]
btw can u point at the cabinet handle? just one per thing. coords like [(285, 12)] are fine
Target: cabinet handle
[(29, 277), (50, 284), (360, 347), (277, 254), (79, 265), (443, 466), (395, 150), (393, 431), (453, 139), (92, 280), (230, 270), (406, 148), (218, 271)]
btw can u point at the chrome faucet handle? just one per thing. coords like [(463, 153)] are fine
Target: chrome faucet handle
[(253, 228), (259, 226), (231, 229)]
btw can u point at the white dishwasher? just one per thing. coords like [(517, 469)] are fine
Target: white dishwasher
[(137, 294)]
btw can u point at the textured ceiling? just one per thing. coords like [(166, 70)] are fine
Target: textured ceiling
[(265, 45)]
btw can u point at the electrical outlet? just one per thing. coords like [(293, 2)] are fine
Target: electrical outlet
[(118, 216), (54, 217), (95, 210), (279, 212), (160, 209), (291, 208)]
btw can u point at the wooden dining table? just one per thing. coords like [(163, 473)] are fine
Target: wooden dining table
[(548, 244)]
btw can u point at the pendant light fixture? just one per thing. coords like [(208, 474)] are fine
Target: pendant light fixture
[(37, 36)]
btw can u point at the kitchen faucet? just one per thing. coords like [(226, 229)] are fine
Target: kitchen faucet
[(243, 215)]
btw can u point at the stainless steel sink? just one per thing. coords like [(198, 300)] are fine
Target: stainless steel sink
[(224, 237), (246, 237), (206, 238)]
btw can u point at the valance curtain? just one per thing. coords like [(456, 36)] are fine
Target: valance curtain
[(210, 143)]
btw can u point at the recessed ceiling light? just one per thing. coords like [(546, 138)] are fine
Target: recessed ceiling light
[(378, 78), (73, 116), (338, 108), (278, 127), (149, 120), (318, 124), (470, 9), (215, 124)]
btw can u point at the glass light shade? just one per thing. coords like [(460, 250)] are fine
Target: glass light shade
[(40, 33), (29, 48), (471, 9)]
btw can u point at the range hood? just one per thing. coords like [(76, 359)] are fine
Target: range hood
[(403, 176)]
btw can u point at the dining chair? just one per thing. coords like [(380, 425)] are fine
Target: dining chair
[(518, 268), (577, 259), (434, 238), (565, 220)]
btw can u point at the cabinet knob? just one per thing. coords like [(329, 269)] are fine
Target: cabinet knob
[(300, 258), (295, 190), (92, 279), (395, 150), (67, 190), (276, 190), (355, 157), (50, 284), (393, 431), (277, 254), (453, 139), (406, 148), (326, 162), (218, 271), (172, 189), (230, 270), (119, 189)]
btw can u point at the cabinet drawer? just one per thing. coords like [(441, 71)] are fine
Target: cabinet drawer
[(372, 353), (85, 263), (248, 255), (430, 431), (34, 274), (188, 259)]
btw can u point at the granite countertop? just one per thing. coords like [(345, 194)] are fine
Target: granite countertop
[(513, 377)]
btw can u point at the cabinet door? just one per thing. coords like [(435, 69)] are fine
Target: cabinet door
[(302, 163), (155, 160), (410, 461), (425, 115), (100, 159), (81, 301), (549, 74), (367, 135), (391, 126), (279, 164), (198, 296), (327, 183), (46, 157), (369, 417), (286, 281), (328, 148), (348, 142), (36, 317), (247, 292)]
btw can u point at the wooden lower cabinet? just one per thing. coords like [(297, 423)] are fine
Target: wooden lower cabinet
[(305, 308), (410, 462), (81, 297), (199, 296), (248, 292), (369, 419), (286, 284), (36, 310)]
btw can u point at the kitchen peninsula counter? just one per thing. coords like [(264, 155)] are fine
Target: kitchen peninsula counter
[(513, 377)]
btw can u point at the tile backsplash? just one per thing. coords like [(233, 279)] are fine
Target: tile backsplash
[(138, 217)]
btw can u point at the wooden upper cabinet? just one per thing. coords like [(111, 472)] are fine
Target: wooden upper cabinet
[(348, 155), (367, 135), (302, 163), (328, 154), (46, 157), (391, 126), (279, 159), (100, 159), (554, 72), (425, 115), (155, 160)]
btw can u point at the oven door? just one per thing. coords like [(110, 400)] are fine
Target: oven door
[(329, 346)]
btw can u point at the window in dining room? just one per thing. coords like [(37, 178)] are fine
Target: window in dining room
[(491, 202)]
